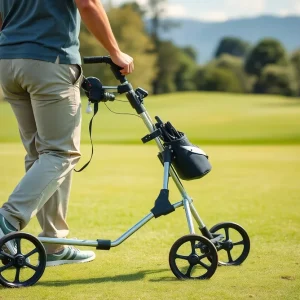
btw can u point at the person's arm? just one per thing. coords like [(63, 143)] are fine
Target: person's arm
[(0, 23), (95, 18)]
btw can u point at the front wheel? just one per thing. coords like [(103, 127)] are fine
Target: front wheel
[(233, 244), (25, 266), (193, 257)]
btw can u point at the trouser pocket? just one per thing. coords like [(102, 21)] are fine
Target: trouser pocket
[(76, 74)]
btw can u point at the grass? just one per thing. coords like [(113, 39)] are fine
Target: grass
[(255, 186), (210, 118), (253, 144)]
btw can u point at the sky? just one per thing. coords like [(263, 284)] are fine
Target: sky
[(222, 10)]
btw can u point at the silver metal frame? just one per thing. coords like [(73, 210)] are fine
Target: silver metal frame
[(186, 202)]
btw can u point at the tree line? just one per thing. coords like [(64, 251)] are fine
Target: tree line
[(163, 67), (264, 68)]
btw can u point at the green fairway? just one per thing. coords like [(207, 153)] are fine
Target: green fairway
[(211, 118), (255, 186)]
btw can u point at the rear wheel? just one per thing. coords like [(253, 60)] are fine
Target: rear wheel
[(24, 267), (233, 244)]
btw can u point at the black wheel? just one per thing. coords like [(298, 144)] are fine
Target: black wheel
[(26, 265), (233, 243), (193, 257)]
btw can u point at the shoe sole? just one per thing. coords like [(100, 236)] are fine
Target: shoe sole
[(68, 262)]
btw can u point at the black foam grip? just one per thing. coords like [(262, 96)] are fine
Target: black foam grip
[(97, 60), (106, 59)]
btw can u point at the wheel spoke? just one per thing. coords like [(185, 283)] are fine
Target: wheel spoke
[(31, 253), (204, 255), (188, 273), (203, 265), (193, 246), (238, 243), (233, 236), (31, 266), (17, 277), (226, 233), (23, 267), (10, 264), (182, 257), (229, 256), (5, 254), (18, 242)]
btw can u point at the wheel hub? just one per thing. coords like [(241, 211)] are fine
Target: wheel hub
[(20, 260), (227, 245), (193, 259)]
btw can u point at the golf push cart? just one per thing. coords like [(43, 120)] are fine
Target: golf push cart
[(193, 256)]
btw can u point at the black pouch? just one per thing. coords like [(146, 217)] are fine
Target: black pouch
[(189, 161)]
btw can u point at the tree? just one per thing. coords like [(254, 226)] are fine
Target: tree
[(295, 62), (239, 81), (132, 37), (266, 52), (185, 75), (176, 69), (135, 7), (156, 12), (236, 65), (233, 46), (278, 80), (168, 57), (212, 78), (191, 52)]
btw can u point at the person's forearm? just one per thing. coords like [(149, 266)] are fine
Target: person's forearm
[(94, 17)]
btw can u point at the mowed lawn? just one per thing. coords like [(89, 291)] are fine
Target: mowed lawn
[(256, 186), (211, 118)]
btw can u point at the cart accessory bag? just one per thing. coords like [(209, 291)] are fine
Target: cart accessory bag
[(189, 161)]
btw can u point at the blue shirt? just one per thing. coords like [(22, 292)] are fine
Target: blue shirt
[(45, 30)]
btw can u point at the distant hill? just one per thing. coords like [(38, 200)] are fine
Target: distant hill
[(205, 36)]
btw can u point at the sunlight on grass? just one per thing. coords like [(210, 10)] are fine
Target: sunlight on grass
[(210, 118), (254, 186)]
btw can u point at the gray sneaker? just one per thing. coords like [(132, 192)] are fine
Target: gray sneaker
[(6, 228), (70, 255)]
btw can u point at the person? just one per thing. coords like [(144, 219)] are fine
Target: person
[(40, 75)]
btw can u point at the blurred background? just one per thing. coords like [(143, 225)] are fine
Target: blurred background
[(227, 46), (224, 71)]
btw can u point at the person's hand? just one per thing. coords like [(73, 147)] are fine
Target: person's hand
[(124, 61)]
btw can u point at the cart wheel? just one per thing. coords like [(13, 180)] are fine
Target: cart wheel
[(193, 257), (4, 260), (27, 265), (233, 245)]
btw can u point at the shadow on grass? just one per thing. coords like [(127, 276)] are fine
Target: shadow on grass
[(118, 278)]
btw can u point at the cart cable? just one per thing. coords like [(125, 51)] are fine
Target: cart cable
[(96, 107)]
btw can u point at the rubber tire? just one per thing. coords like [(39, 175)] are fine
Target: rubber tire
[(198, 238), (42, 259), (245, 237)]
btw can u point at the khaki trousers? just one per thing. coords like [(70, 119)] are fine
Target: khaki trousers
[(45, 98)]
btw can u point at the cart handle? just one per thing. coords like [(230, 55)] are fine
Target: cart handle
[(106, 60)]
